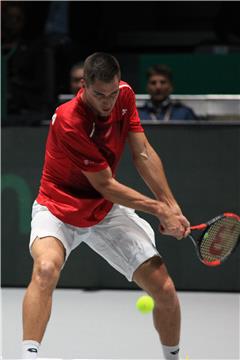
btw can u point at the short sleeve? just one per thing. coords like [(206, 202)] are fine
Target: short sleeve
[(134, 123), (78, 147)]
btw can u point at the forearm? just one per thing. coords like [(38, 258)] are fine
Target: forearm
[(151, 170), (171, 223), (124, 195), (171, 218)]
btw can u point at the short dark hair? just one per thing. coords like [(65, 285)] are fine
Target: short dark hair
[(160, 69), (101, 66)]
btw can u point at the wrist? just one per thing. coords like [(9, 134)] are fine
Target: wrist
[(169, 201), (162, 209), (172, 204)]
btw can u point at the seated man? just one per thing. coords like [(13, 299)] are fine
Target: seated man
[(76, 76), (160, 106)]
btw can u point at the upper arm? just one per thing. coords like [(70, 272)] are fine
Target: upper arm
[(100, 179), (129, 101)]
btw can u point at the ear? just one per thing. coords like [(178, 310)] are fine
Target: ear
[(83, 83)]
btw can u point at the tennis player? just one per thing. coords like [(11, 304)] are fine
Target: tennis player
[(80, 200)]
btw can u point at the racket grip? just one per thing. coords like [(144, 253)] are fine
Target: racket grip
[(198, 227)]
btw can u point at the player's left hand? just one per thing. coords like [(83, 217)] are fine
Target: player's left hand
[(184, 225)]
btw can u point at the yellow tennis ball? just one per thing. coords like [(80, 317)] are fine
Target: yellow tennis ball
[(205, 236), (145, 304)]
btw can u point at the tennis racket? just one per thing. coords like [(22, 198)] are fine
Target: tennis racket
[(218, 239)]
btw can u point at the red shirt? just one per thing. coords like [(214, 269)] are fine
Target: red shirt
[(79, 140)]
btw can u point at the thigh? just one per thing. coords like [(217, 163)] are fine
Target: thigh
[(49, 233), (123, 239), (48, 248)]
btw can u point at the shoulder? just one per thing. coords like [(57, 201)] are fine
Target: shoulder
[(180, 105), (126, 96), (126, 89), (70, 117), (146, 108), (183, 109)]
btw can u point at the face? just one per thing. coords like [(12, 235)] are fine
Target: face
[(159, 87), (101, 96), (76, 80)]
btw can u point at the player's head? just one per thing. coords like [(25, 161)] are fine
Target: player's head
[(76, 77), (101, 82), (159, 82)]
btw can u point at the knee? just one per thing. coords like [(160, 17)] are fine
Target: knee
[(165, 294), (46, 273)]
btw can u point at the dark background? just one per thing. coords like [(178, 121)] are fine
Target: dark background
[(130, 29), (203, 168), (98, 25), (199, 40)]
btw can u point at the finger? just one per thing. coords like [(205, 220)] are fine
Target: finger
[(166, 231), (183, 232), (186, 232), (185, 222), (161, 229), (180, 237)]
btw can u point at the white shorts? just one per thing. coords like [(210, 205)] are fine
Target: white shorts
[(122, 238)]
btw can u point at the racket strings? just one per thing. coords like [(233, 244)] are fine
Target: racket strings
[(220, 239)]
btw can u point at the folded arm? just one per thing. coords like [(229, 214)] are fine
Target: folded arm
[(164, 207)]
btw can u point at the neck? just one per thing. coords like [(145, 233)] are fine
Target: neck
[(162, 102)]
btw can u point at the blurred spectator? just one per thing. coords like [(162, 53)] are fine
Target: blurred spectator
[(76, 76), (57, 23), (160, 106), (24, 63), (74, 82), (61, 50)]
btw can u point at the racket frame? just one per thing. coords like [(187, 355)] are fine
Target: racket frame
[(205, 227)]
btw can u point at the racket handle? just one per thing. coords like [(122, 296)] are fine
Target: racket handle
[(194, 227), (198, 227)]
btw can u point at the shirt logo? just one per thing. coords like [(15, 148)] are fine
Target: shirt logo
[(124, 111), (54, 118), (88, 162)]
